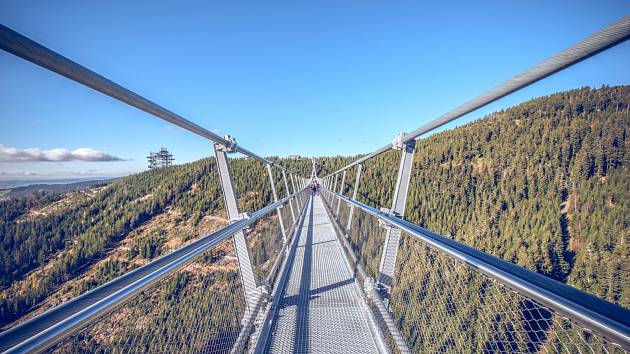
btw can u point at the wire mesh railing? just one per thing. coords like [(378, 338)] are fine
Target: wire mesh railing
[(46, 329), (264, 240), (441, 296), (440, 302), (608, 37), (443, 305), (366, 238), (494, 306), (198, 309), (189, 301), (288, 218)]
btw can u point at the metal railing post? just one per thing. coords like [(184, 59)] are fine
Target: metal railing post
[(332, 197), (275, 199), (298, 200), (343, 181), (354, 194), (392, 240), (302, 185), (328, 185), (240, 245), (286, 186)]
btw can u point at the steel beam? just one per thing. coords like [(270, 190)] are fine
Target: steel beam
[(614, 34), (328, 187), (334, 186), (343, 181), (27, 49), (392, 239), (354, 194), (302, 186), (43, 331), (606, 319), (252, 294), (286, 186), (275, 199), (298, 198)]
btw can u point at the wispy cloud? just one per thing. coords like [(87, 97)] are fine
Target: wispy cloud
[(61, 175), (18, 173), (10, 154)]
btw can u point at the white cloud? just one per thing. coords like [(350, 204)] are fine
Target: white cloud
[(18, 173), (9, 154)]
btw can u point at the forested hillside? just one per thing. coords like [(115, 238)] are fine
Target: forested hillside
[(544, 184), (53, 247)]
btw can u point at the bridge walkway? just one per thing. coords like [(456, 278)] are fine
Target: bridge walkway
[(321, 307)]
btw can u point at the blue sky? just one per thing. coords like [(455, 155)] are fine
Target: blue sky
[(304, 77)]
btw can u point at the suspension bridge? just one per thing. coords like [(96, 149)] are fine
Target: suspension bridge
[(345, 277)]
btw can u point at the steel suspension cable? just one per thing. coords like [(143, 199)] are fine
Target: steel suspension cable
[(27, 49), (608, 37)]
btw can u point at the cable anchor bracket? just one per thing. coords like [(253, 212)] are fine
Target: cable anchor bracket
[(385, 224), (231, 145), (242, 216)]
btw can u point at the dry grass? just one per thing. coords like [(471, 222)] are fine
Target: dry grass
[(164, 226)]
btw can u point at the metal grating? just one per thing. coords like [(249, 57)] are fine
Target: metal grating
[(321, 309)]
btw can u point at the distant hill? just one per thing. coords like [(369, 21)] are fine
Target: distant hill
[(57, 188), (14, 183)]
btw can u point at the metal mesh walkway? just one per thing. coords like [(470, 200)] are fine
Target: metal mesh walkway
[(321, 309)]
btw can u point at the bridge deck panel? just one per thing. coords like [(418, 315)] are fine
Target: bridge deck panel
[(321, 309)]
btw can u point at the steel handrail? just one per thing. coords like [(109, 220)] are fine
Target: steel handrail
[(61, 321), (598, 42), (27, 49), (602, 317)]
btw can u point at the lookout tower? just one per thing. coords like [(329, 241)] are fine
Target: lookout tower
[(162, 158)]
